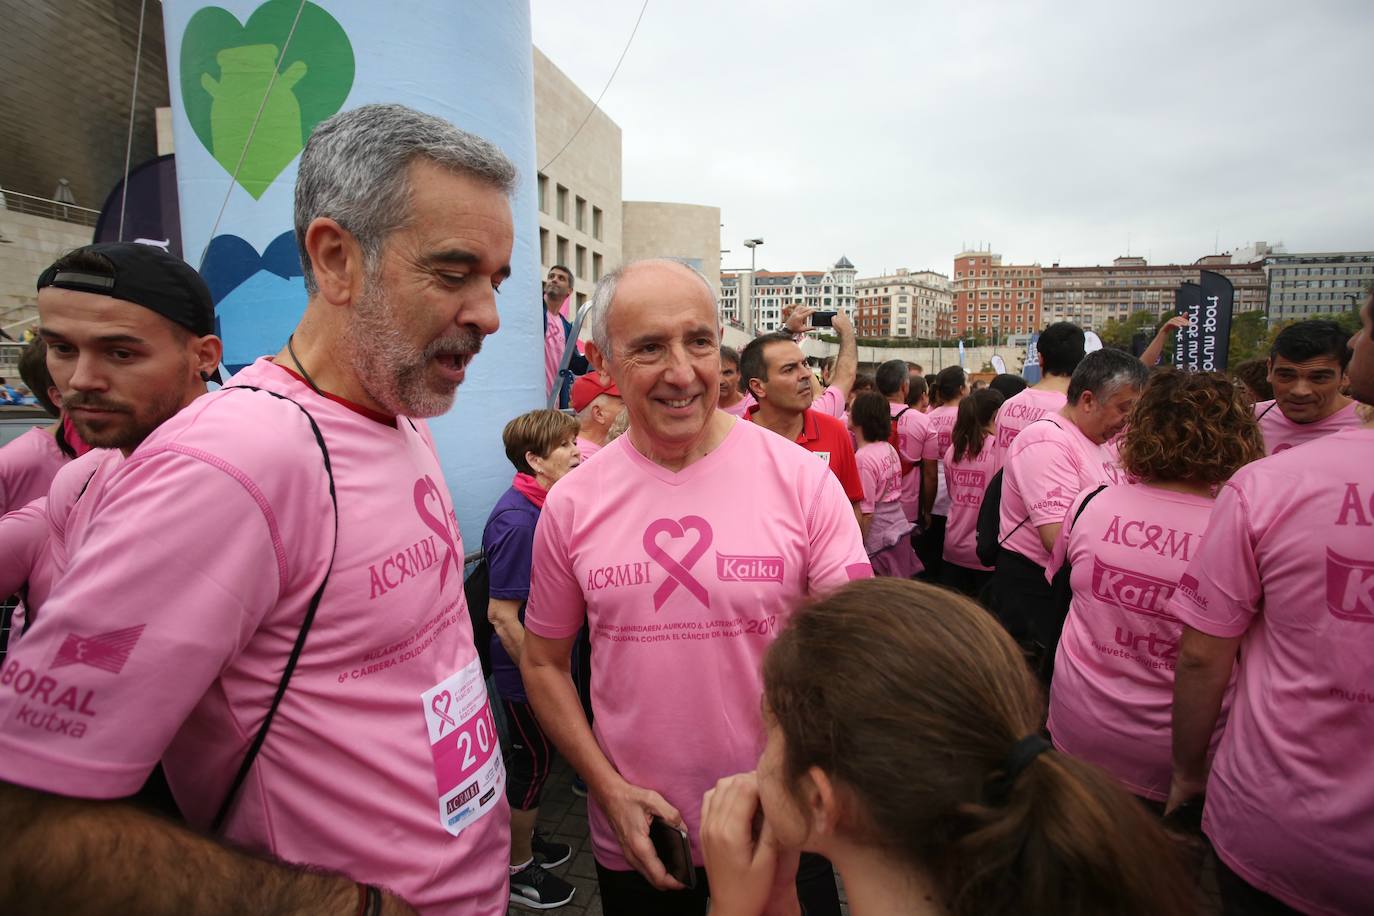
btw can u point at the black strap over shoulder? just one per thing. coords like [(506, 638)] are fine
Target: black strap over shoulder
[(299, 646)]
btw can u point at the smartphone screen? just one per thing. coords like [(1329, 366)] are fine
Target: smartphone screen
[(822, 319), (674, 850)]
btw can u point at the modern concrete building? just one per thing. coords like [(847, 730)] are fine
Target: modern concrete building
[(904, 304), (1090, 296), (690, 232), (992, 299), (580, 206), (771, 291), (1315, 283)]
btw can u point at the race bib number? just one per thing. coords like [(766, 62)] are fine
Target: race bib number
[(468, 768)]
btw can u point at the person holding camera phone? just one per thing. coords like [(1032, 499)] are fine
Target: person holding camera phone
[(839, 382), (684, 546)]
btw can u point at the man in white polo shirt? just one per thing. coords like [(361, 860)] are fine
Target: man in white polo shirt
[(684, 545), (202, 558), (1282, 592)]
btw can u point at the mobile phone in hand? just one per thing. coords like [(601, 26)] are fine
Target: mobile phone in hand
[(822, 319), (674, 850)]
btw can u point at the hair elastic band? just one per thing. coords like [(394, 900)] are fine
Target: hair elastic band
[(1021, 755), (1017, 759)]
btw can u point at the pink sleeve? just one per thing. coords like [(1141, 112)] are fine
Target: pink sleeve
[(1048, 482), (152, 608), (930, 445), (830, 402), (837, 546), (912, 434), (869, 474), (23, 534), (1220, 593), (557, 607), (1061, 542)]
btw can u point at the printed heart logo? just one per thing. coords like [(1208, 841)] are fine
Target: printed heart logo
[(226, 69), (678, 573), (258, 298), (440, 709)]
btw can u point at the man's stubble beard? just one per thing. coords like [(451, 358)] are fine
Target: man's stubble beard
[(389, 368)]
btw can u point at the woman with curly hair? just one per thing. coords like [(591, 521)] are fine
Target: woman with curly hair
[(1128, 546)]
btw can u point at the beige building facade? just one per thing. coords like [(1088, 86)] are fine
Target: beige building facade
[(1091, 296), (690, 232), (906, 303), (579, 192)]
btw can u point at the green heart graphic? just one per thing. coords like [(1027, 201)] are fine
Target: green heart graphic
[(225, 72)]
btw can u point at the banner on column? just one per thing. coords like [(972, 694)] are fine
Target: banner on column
[(250, 80)]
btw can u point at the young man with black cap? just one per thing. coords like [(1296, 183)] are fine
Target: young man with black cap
[(129, 334), (269, 597)]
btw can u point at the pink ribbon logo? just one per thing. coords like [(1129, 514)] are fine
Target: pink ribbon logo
[(434, 704), (424, 489), (678, 573)]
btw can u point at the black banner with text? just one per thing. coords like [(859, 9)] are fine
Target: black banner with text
[(1204, 344)]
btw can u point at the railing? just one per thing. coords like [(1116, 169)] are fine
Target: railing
[(16, 202)]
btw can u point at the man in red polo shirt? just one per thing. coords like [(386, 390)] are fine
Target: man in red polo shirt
[(774, 370)]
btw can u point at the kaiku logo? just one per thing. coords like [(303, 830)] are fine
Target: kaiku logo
[(1349, 587), (1132, 591), (748, 569), (964, 477)]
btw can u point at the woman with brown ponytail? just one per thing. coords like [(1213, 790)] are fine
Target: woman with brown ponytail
[(903, 744)]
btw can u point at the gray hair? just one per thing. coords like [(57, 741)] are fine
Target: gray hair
[(353, 170), (598, 319), (1106, 371)]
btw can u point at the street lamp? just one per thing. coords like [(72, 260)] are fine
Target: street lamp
[(752, 245)]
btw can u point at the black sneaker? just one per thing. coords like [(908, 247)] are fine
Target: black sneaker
[(538, 889), (579, 788), (547, 852)]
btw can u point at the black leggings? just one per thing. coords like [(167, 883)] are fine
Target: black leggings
[(531, 755)]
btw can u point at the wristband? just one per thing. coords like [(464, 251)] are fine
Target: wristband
[(374, 901), (369, 900)]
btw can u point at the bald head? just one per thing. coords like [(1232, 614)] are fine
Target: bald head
[(656, 283)]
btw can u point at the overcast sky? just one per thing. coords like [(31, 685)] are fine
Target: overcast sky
[(897, 132)]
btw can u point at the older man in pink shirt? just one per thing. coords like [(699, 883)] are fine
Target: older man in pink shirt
[(1282, 591), (684, 546), (1048, 464)]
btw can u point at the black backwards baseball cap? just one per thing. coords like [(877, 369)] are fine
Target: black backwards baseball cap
[(144, 275)]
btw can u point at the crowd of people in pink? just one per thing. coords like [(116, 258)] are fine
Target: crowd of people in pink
[(969, 646)]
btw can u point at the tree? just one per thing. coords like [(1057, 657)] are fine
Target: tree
[(1249, 337)]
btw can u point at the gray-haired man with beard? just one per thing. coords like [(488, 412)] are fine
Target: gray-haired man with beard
[(301, 500)]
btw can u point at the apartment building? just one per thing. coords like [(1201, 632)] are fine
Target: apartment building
[(994, 300), (771, 291), (1090, 296), (904, 303), (1315, 283)]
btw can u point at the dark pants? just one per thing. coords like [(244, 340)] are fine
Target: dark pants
[(1241, 899), (964, 580), (929, 545), (529, 759), (1026, 606), (627, 893), (582, 669)]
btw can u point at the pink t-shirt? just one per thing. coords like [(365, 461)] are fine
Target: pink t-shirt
[(190, 566), (1112, 695), (966, 482), (684, 579), (939, 426), (587, 447), (911, 437), (880, 471), (1021, 410), (1048, 464), (554, 342), (1281, 433), (740, 407), (831, 402), (27, 467), (1287, 564)]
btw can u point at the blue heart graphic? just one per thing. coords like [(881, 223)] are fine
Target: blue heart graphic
[(258, 299)]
